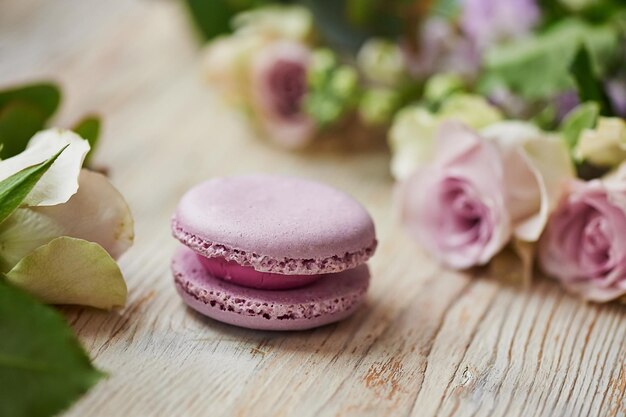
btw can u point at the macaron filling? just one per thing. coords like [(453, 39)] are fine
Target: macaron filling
[(246, 276)]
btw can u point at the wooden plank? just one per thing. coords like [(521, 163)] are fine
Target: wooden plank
[(430, 342)]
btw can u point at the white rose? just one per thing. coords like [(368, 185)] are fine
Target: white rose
[(60, 243), (605, 145)]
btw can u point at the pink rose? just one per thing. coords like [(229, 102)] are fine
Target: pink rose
[(278, 86), (482, 190), (584, 245), (455, 207)]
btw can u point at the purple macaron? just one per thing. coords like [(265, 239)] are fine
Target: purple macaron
[(272, 252)]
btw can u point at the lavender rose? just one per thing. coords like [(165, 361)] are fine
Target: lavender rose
[(487, 22), (455, 207), (584, 245), (442, 49), (481, 190), (278, 86)]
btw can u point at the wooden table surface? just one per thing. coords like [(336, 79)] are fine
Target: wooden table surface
[(429, 342)]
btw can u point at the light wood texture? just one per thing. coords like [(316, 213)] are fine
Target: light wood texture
[(430, 342)]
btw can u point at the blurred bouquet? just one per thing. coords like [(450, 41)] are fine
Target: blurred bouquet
[(505, 119), (270, 67)]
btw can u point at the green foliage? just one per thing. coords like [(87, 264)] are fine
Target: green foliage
[(44, 96), (333, 88), (582, 117), (13, 190), (24, 110), (539, 67), (89, 128), (378, 105), (346, 24), (446, 8), (589, 87), (378, 16), (212, 17), (19, 121), (43, 368), (596, 11)]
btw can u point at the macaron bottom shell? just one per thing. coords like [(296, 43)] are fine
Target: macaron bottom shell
[(330, 299)]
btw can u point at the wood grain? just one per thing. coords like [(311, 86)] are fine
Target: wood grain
[(430, 342)]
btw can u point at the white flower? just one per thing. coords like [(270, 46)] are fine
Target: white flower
[(605, 145), (537, 169), (381, 61), (73, 207), (226, 64), (60, 182), (290, 22)]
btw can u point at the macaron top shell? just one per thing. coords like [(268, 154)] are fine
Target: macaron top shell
[(275, 224)]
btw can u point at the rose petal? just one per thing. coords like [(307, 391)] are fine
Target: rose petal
[(455, 141), (549, 161), (465, 154), (455, 207), (583, 246), (538, 167), (97, 213), (60, 182), (588, 290), (71, 271), (22, 232), (412, 134)]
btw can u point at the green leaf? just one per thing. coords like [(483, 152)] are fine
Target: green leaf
[(44, 96), (19, 121), (43, 368), (333, 89), (538, 67), (589, 87), (212, 17), (345, 25), (582, 117), (71, 271), (448, 9), (89, 128), (13, 190), (552, 10)]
